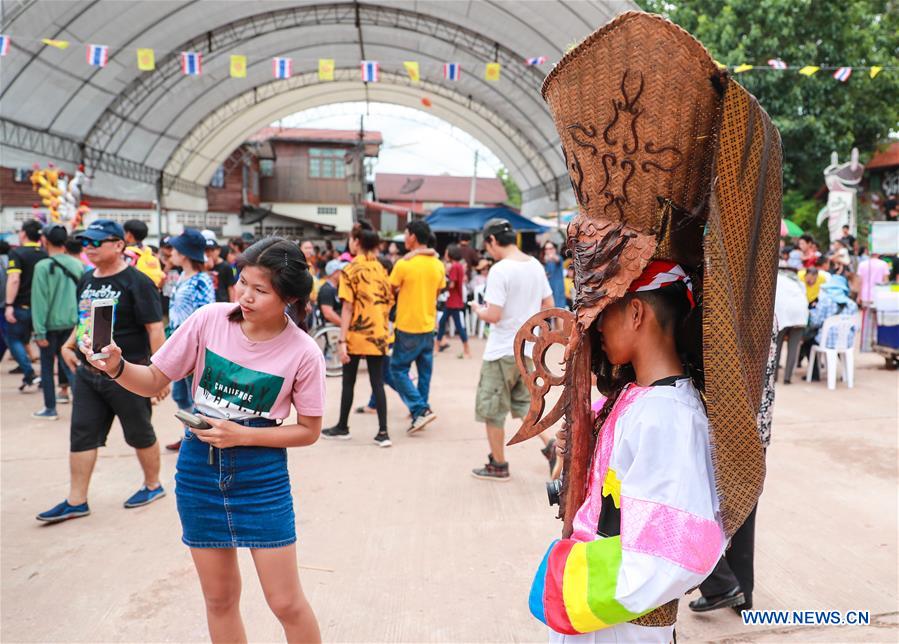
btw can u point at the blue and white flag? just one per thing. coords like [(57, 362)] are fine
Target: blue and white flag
[(452, 71), (843, 74), (191, 63), (539, 60), (4, 45), (369, 71), (97, 55), (282, 67)]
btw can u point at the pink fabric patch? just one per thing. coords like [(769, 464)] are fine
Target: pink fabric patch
[(686, 539), (587, 518)]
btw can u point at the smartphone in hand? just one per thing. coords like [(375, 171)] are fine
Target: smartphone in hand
[(102, 316), (192, 421)]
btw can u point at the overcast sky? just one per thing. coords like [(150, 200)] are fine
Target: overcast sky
[(414, 141)]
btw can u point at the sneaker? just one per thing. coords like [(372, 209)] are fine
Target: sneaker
[(337, 432), (46, 414), (62, 397), (382, 439), (174, 447), (15, 370), (492, 471), (144, 496), (64, 512), (419, 422), (30, 386)]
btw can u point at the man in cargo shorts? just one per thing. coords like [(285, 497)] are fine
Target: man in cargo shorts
[(517, 288)]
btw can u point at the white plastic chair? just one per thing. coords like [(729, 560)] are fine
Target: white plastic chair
[(842, 326), (476, 326)]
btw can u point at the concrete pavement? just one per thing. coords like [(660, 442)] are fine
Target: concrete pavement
[(402, 544)]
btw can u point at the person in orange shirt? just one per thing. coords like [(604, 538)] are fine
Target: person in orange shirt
[(366, 298)]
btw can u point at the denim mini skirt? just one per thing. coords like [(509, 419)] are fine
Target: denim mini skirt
[(243, 500)]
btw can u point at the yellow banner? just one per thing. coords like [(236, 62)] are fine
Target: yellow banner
[(491, 72), (875, 69), (739, 69), (59, 44), (326, 69), (412, 69), (238, 66), (146, 60), (809, 70)]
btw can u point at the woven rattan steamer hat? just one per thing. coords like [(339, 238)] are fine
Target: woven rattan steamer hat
[(669, 158)]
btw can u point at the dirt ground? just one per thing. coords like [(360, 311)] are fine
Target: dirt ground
[(404, 545)]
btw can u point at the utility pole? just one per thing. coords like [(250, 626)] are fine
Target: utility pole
[(474, 182)]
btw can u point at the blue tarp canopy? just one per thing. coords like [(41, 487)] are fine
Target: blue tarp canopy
[(455, 220)]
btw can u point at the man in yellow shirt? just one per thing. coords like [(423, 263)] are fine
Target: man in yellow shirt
[(417, 282), (813, 278)]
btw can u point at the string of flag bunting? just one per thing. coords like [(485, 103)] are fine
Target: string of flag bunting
[(282, 67)]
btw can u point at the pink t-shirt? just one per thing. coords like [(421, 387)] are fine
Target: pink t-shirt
[(236, 378), (871, 272)]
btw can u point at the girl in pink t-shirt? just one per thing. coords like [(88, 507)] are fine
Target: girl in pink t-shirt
[(250, 363)]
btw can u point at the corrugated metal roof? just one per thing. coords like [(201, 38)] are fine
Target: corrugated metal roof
[(372, 137), (886, 159), (439, 188)]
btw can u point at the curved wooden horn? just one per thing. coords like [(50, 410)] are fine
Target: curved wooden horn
[(540, 331)]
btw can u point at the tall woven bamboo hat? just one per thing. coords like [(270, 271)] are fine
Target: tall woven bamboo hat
[(670, 158)]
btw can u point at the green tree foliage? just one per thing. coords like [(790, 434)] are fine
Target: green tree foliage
[(818, 114), (512, 189)]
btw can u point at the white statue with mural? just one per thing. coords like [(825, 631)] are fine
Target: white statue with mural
[(842, 180)]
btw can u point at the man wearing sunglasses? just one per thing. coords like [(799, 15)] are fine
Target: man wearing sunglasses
[(137, 329)]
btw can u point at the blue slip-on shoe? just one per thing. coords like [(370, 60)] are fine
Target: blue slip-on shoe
[(64, 512), (144, 496), (46, 414)]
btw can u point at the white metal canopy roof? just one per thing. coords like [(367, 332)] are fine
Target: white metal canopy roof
[(145, 135)]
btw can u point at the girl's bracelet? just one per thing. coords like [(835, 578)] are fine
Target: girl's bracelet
[(120, 371)]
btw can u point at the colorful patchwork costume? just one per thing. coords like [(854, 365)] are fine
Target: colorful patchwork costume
[(677, 174)]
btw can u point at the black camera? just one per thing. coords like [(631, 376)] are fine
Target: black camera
[(554, 491)]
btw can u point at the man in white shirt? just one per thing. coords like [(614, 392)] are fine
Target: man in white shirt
[(517, 288)]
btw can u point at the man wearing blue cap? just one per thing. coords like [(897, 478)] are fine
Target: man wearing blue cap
[(137, 329)]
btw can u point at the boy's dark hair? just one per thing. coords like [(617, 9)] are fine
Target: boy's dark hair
[(366, 235), (32, 229), (55, 235), (239, 243), (845, 225), (465, 237), (420, 230), (288, 272), (808, 239), (73, 246), (454, 252), (501, 231), (137, 228)]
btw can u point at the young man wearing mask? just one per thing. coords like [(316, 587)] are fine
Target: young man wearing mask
[(54, 310)]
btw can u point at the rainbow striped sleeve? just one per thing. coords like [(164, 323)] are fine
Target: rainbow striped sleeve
[(575, 586)]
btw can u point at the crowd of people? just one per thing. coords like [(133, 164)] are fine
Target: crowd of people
[(815, 286)]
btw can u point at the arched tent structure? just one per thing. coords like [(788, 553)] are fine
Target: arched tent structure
[(161, 135)]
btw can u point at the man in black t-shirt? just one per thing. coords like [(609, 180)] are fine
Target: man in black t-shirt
[(17, 311), (328, 302), (98, 400), (220, 271)]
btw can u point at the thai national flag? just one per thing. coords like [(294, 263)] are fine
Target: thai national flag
[(191, 63), (777, 63), (282, 67), (97, 55), (4, 45), (539, 60), (843, 74), (452, 71), (369, 71)]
